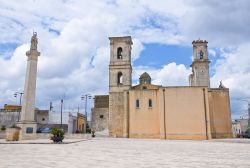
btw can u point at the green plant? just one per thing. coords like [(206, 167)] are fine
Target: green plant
[(57, 132), (58, 135), (93, 133), (3, 128), (88, 129)]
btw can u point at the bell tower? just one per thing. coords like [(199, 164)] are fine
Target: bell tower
[(120, 80), (200, 65), (120, 64)]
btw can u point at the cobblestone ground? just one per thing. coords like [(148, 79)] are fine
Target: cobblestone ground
[(119, 153)]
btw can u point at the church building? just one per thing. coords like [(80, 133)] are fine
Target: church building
[(195, 112)]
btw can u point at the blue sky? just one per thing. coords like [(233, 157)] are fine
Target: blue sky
[(74, 45), (157, 55)]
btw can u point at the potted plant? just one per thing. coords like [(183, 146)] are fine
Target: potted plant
[(12, 133), (93, 133), (57, 135)]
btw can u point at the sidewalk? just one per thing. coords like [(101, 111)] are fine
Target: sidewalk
[(41, 141)]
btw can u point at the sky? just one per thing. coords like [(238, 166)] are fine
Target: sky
[(74, 45)]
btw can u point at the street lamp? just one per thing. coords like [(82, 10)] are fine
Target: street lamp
[(20, 102), (61, 112), (86, 97)]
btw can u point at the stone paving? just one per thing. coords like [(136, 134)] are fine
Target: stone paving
[(119, 153)]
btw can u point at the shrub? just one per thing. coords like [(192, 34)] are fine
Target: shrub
[(93, 133), (58, 135), (57, 132), (88, 129)]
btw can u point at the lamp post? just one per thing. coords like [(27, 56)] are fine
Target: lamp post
[(86, 97), (20, 102), (61, 111)]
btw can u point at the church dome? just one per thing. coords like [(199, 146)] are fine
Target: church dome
[(145, 78)]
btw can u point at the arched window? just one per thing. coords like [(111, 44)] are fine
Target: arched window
[(119, 53), (119, 78), (201, 54), (150, 104)]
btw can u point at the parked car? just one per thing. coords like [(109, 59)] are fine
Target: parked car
[(246, 134), (44, 130)]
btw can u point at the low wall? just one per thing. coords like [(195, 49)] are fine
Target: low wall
[(8, 118), (2, 134)]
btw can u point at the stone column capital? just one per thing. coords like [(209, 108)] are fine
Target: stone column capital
[(32, 54)]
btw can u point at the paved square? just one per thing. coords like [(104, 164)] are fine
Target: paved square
[(119, 153)]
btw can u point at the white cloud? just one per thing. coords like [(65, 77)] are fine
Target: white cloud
[(233, 69), (212, 52), (74, 60), (169, 75)]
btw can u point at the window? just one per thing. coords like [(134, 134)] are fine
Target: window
[(119, 78), (144, 88), (150, 104), (201, 54), (119, 53), (101, 116), (43, 119), (137, 103)]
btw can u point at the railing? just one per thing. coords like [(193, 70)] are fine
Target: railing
[(4, 110)]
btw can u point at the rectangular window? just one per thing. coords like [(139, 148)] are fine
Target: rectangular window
[(137, 104), (150, 104)]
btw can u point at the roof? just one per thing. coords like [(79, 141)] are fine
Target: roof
[(145, 75)]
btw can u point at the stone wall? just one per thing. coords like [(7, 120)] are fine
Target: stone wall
[(101, 101), (99, 119), (100, 113), (220, 114), (176, 113), (116, 114), (8, 118)]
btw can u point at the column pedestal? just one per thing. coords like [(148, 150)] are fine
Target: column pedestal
[(28, 130)]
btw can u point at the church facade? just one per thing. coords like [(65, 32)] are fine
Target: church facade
[(194, 112)]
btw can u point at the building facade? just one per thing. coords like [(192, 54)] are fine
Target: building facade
[(151, 111)]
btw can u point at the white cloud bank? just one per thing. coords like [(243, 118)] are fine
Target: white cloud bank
[(73, 39)]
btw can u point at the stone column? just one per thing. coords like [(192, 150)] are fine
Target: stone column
[(27, 122)]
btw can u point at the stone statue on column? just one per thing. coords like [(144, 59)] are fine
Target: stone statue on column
[(27, 122), (34, 42)]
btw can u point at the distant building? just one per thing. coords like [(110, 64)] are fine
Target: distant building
[(42, 117), (45, 118), (11, 107), (239, 126), (81, 123), (236, 128), (72, 123)]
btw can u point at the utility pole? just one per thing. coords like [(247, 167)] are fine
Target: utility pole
[(61, 111), (20, 102), (50, 106), (248, 114), (86, 97)]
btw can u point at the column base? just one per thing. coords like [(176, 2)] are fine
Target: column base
[(28, 130)]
